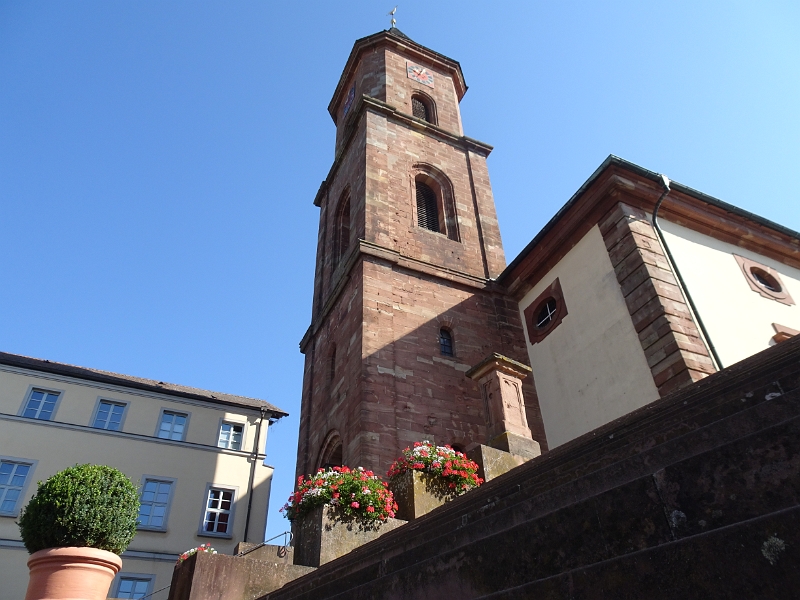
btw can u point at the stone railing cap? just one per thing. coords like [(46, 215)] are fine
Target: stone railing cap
[(499, 362)]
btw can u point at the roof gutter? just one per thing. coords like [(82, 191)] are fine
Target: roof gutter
[(681, 283)]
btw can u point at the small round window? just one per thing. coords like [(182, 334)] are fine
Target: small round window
[(546, 313), (765, 280)]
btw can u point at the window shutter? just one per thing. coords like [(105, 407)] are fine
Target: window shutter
[(419, 110), (427, 208)]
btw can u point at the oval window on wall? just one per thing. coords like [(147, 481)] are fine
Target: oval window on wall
[(764, 280), (545, 313)]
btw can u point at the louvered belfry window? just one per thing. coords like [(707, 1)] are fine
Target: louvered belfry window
[(419, 110), (427, 207)]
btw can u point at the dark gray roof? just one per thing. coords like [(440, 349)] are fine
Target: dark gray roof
[(398, 33), (129, 381)]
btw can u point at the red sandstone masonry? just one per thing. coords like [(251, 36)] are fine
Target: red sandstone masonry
[(670, 339), (383, 304)]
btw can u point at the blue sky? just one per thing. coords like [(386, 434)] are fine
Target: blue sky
[(158, 161)]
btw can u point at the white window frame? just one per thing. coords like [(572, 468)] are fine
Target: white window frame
[(39, 388), (151, 579), (242, 424), (172, 483), (177, 412), (231, 519), (24, 489), (96, 411)]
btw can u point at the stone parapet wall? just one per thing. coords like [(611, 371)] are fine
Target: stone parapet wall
[(694, 495)]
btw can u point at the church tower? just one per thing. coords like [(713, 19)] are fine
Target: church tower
[(405, 301)]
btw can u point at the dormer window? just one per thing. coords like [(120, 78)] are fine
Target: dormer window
[(422, 108)]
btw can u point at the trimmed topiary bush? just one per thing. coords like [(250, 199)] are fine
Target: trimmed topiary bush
[(86, 506)]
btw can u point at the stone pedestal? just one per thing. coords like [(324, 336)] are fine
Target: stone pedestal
[(322, 535), (500, 379), (517, 445), (418, 493), (493, 462)]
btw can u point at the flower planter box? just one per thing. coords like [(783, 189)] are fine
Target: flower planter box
[(322, 536), (418, 493)]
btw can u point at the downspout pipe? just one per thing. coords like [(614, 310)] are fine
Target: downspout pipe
[(681, 283), (253, 474)]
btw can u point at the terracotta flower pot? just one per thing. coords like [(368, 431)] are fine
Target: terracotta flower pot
[(71, 574)]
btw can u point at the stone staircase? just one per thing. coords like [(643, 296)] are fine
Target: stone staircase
[(693, 496)]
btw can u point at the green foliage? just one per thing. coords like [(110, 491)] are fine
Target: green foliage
[(86, 506)]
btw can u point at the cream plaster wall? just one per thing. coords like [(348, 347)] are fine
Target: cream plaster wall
[(591, 368), (739, 320), (69, 440)]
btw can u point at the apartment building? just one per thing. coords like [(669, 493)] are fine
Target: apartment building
[(198, 457)]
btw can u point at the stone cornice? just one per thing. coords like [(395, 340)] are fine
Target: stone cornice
[(366, 103), (364, 248), (498, 362)]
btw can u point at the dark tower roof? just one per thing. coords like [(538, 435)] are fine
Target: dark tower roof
[(398, 33)]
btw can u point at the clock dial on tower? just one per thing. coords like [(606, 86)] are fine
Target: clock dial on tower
[(419, 73)]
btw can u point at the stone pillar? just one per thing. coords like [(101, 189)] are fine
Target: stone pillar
[(500, 379)]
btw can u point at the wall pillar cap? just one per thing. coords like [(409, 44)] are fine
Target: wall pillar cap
[(498, 362)]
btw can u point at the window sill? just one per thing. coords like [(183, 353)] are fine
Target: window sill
[(154, 529), (224, 536), (12, 515)]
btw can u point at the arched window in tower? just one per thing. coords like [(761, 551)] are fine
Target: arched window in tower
[(427, 207), (422, 108), (331, 454), (434, 200), (445, 342), (341, 240)]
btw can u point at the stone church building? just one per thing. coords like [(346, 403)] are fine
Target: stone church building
[(636, 288), (631, 372)]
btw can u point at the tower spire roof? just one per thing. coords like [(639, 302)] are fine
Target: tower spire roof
[(395, 31)]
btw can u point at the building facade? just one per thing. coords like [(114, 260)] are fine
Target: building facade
[(610, 309), (198, 458)]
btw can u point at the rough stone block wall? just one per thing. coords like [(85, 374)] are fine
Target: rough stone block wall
[(400, 88), (393, 150), (370, 80), (412, 392), (332, 404)]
